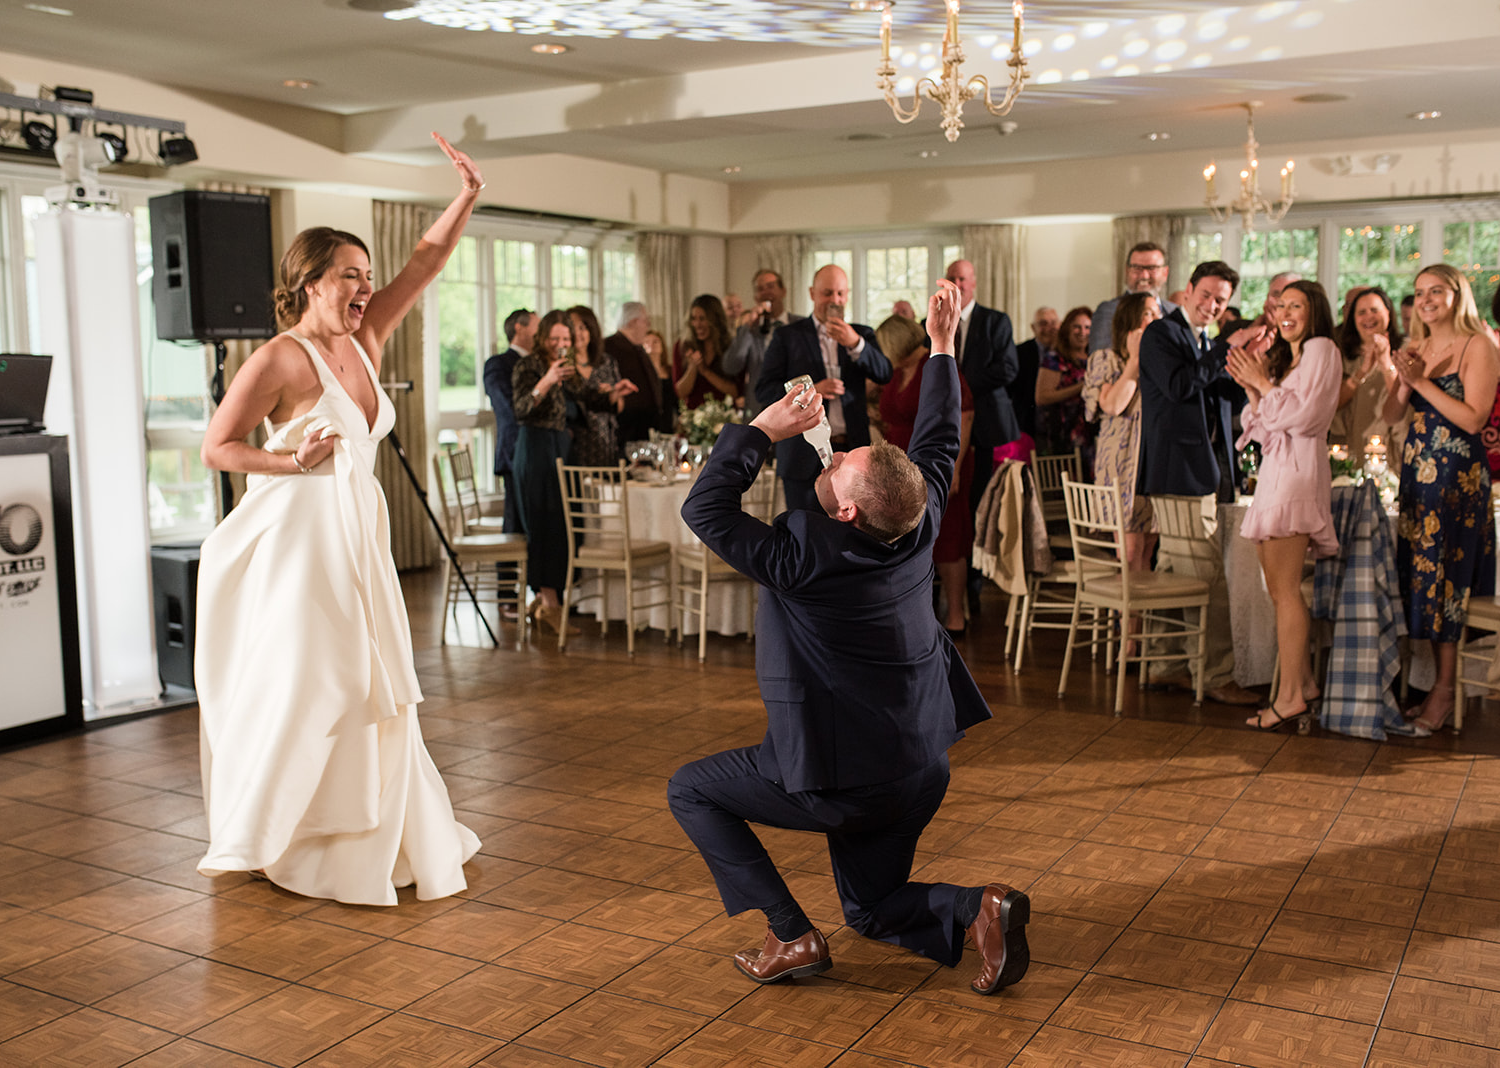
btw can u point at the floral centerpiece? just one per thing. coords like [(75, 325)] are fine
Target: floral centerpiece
[(701, 425)]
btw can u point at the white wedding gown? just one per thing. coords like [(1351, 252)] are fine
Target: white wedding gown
[(314, 770)]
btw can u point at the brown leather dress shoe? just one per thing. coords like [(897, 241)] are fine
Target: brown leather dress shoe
[(1231, 693), (799, 959), (999, 933)]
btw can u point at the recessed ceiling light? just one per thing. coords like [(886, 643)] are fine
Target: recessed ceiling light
[(1422, 116), (1322, 98), (48, 9), (731, 170), (928, 153), (1157, 135), (548, 49), (868, 5), (299, 83)]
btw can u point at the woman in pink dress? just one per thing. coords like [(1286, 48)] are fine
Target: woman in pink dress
[(1293, 391)]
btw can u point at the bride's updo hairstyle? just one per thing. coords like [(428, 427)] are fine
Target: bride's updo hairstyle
[(306, 260)]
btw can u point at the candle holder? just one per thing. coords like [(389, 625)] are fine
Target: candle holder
[(1249, 202)]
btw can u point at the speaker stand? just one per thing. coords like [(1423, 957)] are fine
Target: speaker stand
[(216, 391), (438, 529)]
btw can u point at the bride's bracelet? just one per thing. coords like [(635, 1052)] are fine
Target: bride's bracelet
[(300, 468)]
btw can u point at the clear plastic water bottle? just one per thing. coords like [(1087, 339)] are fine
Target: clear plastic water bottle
[(819, 437)]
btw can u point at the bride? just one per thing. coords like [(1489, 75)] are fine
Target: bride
[(314, 770)]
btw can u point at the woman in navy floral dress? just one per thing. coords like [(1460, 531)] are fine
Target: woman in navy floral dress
[(1445, 545)]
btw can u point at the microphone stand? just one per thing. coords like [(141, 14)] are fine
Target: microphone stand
[(437, 527)]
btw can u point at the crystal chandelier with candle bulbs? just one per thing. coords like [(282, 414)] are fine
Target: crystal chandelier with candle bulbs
[(1249, 203), (951, 92)]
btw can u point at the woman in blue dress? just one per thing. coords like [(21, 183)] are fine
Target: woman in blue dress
[(1445, 545)]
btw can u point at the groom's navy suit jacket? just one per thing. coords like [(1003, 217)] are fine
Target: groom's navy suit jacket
[(1182, 388), (795, 350), (861, 684)]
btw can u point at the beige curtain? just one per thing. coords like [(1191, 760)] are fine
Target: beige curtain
[(998, 254), (787, 255), (236, 352), (1168, 231), (662, 261), (398, 227)]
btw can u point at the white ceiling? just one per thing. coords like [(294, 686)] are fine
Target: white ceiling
[(787, 109)]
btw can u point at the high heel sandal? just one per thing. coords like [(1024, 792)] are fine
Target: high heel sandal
[(1420, 728), (551, 617), (1280, 719)]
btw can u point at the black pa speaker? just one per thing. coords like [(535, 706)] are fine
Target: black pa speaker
[(174, 584), (212, 270)]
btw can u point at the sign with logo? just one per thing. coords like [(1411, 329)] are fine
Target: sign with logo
[(31, 653)]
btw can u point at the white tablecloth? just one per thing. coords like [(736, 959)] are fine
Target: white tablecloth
[(656, 515)]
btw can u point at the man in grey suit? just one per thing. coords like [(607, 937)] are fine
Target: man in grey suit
[(1146, 270), (747, 352)]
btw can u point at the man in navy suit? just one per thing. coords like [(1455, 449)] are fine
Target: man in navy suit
[(520, 332), (839, 356), (1187, 444), (864, 692)]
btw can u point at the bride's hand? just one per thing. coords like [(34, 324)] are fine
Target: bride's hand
[(314, 449), (468, 173)]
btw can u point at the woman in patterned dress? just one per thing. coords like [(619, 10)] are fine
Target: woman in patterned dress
[(1112, 398), (1445, 544), (1059, 389), (596, 434)]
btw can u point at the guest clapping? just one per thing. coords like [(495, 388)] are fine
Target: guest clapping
[(1445, 536), (1366, 338), (596, 434), (696, 358), (1291, 392)]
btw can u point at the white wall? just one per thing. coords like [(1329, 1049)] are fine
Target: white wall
[(1068, 263)]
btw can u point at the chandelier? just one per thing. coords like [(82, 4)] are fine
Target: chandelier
[(1249, 203), (951, 93)]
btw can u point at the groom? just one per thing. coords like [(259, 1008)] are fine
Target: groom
[(864, 692)]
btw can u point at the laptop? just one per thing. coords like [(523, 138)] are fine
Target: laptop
[(23, 392)]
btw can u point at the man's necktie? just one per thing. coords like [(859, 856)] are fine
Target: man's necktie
[(958, 344)]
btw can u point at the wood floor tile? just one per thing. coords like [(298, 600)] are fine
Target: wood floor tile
[(1392, 866), (562, 895), (1116, 904), (406, 1042), (205, 925), (722, 1044), (36, 936), (1298, 821), (1408, 808), (1259, 1036), (290, 1025), (1396, 1049), (1165, 802), (1297, 794), (1138, 1012), (1169, 960), (498, 1002), (1012, 846), (142, 852), (1261, 848), (628, 861), (1148, 832), (1204, 919), (820, 1011), (1472, 843), (691, 979), (606, 1029), (22, 1008), (86, 1037), (1063, 821), (186, 1053), (1467, 878), (1067, 942), (864, 962), (1314, 986), (1248, 884), (481, 931), (391, 974), (190, 996), (1356, 943), (384, 922), (654, 914), (1443, 1010), (1467, 917), (1374, 831), (1058, 1047), (1035, 998), (52, 883), (1351, 899), (100, 968), (294, 949), (124, 904), (938, 1034), (580, 954), (1119, 864), (1447, 958)]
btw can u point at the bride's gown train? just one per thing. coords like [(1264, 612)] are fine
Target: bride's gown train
[(314, 770)]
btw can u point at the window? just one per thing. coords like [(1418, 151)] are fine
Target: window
[(1474, 248), (884, 268), (1198, 248), (497, 268), (1388, 256), (1263, 255)]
